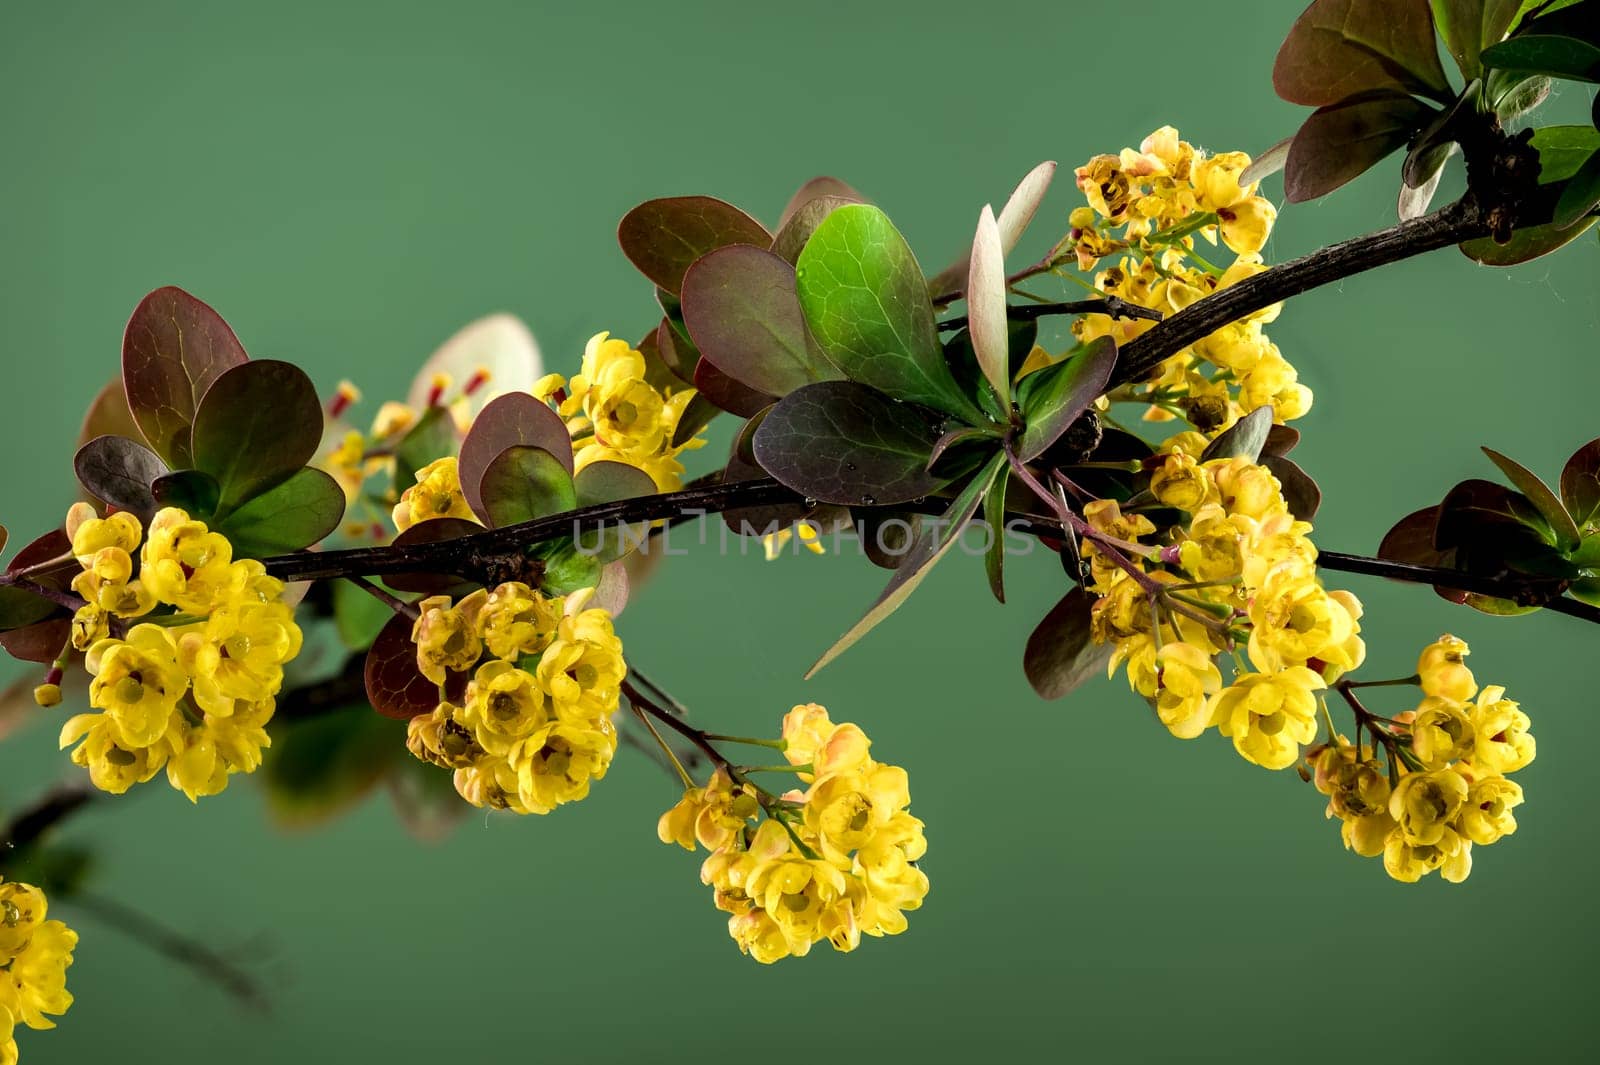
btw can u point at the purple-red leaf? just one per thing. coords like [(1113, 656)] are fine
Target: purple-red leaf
[(172, 350), (1060, 654), (1342, 141), (740, 307), (513, 419), (1338, 48), (663, 237), (395, 686)]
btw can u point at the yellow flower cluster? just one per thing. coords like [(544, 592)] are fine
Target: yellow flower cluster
[(534, 728), (616, 415), (1240, 570), (34, 956), (193, 687), (1145, 209), (833, 861), (1451, 757)]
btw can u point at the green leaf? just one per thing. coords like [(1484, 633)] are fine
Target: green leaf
[(607, 482), (1515, 95), (523, 483), (1338, 48), (1061, 654), (119, 471), (843, 442), (1341, 141), (294, 515), (1244, 439), (188, 490), (358, 615), (1548, 54), (258, 423), (994, 516), (1580, 484), (1060, 394), (433, 437), (867, 304), (515, 419), (663, 237), (1533, 9), (173, 349), (1563, 150), (567, 568), (1539, 494), (740, 306), (20, 607), (1469, 26), (1581, 195), (932, 543), (695, 417), (320, 766), (1525, 244), (986, 307)]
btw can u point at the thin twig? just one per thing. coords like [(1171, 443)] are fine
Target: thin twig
[(1115, 306)]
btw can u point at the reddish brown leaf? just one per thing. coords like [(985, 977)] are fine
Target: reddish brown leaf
[(395, 687), (1339, 143), (663, 237), (515, 419), (172, 350), (1338, 48)]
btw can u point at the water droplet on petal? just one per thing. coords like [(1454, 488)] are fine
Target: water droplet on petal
[(869, 501), (850, 466), (809, 501)]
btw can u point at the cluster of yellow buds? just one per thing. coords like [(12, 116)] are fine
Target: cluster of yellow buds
[(1446, 786), (616, 415), (1242, 569), (436, 494), (34, 956), (193, 686), (1145, 208), (534, 727), (833, 861)]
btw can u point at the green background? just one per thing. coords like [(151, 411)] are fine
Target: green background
[(348, 185)]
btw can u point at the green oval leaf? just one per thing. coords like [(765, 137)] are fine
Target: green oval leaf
[(1342, 141), (1549, 54), (821, 187), (1563, 150), (433, 437), (1581, 195), (188, 490), (1525, 244), (609, 482), (1338, 48), (291, 516), (740, 307), (663, 237), (172, 350), (119, 471), (1244, 439), (1539, 494), (256, 424), (1058, 395), (1469, 26), (523, 483), (867, 304), (933, 542), (843, 442), (515, 419), (797, 228)]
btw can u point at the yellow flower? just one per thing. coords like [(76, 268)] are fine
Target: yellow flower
[(504, 704), (1269, 715), (1243, 487), (184, 563), (1424, 804), (1216, 180), (1503, 744), (1247, 224), (1294, 620), (805, 531), (392, 419), (33, 980), (793, 889), (1188, 679), (1409, 862), (516, 621), (137, 682), (806, 728), (582, 669), (1139, 652), (1180, 482), (238, 653), (441, 738), (113, 767), (1358, 794), (121, 532), (1106, 186), (1442, 671), (22, 911), (556, 764), (447, 636), (846, 811), (1441, 732), (1486, 815), (711, 815), (1214, 545), (437, 494)]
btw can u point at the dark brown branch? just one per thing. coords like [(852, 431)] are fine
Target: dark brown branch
[(1459, 222)]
